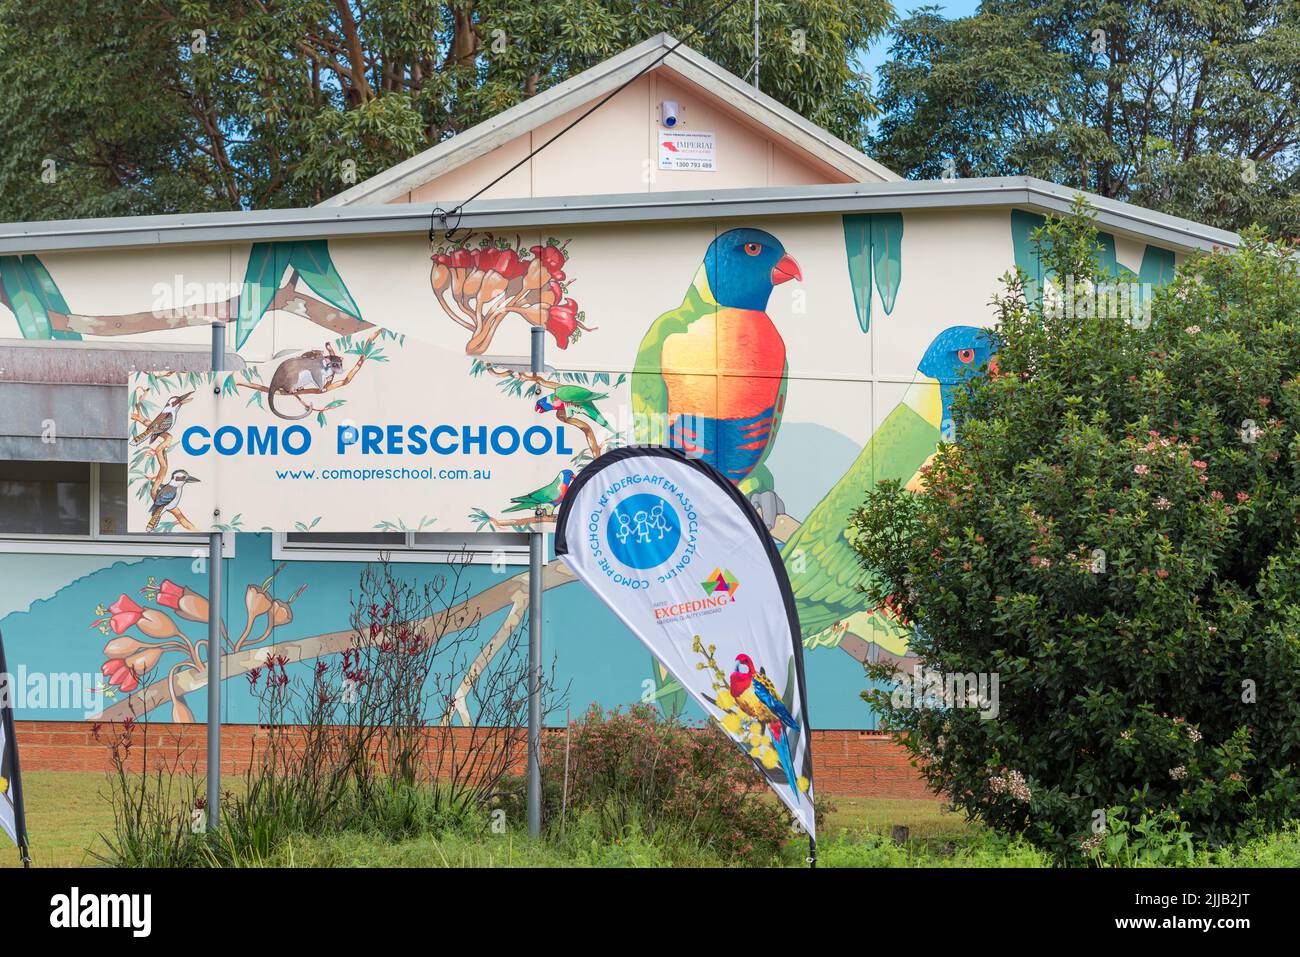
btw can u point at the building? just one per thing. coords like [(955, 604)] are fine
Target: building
[(887, 267)]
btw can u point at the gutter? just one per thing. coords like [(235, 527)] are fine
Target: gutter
[(1023, 192)]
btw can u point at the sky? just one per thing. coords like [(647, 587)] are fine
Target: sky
[(875, 56)]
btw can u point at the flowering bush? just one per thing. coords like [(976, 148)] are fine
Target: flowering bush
[(1115, 534), (639, 774)]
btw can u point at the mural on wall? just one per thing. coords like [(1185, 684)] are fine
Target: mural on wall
[(825, 575), (30, 293), (130, 660), (481, 286), (874, 244), (1156, 269), (711, 375)]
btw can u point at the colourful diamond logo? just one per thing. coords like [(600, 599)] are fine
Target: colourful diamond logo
[(720, 582)]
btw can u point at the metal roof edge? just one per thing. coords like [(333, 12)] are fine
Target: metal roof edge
[(358, 221)]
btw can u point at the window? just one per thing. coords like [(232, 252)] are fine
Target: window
[(78, 508), (484, 547)]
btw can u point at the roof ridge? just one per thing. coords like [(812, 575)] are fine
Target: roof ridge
[(596, 81)]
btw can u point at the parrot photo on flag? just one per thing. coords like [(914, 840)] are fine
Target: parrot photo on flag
[(825, 575), (758, 698)]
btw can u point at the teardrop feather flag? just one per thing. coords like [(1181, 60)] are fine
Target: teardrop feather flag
[(11, 791), (682, 558)]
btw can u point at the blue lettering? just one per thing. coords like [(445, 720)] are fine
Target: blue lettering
[(371, 435), (263, 442), (190, 447), (471, 437), (301, 434), (541, 433), (227, 447), (438, 446), (415, 440), (348, 435), (505, 432)]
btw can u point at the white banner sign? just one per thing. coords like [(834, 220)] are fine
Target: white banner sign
[(371, 432), (684, 561)]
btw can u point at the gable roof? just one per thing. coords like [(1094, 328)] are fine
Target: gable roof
[(659, 51)]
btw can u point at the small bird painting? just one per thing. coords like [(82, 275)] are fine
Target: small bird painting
[(168, 497), (568, 399), (546, 498), (165, 420), (758, 698)]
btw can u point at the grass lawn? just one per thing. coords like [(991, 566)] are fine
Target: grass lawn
[(68, 810)]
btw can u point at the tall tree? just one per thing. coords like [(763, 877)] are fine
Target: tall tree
[(116, 107), (1187, 106)]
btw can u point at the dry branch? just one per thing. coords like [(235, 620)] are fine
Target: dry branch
[(287, 299)]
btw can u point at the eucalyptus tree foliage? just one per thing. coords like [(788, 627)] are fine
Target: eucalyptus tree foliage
[(117, 107), (1186, 106)]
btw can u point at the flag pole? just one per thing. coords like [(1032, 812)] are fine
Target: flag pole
[(11, 742), (214, 623), (536, 542)]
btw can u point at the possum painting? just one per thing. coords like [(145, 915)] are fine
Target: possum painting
[(312, 372)]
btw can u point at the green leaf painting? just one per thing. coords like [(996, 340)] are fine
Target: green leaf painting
[(311, 260), (887, 256), (21, 297), (266, 265), (873, 243), (1157, 264), (30, 293), (267, 262), (1026, 253), (49, 294), (857, 244)]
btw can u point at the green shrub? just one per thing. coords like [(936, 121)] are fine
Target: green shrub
[(1114, 534), (632, 775)]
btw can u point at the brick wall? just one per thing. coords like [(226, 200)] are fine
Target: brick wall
[(846, 763)]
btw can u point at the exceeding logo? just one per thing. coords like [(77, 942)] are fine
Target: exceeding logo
[(75, 910)]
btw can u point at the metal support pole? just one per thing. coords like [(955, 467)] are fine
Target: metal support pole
[(214, 625), (536, 558), (756, 57)]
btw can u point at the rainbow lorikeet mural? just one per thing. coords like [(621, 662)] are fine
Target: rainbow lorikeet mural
[(546, 498), (710, 375), (757, 696), (827, 576), (575, 398)]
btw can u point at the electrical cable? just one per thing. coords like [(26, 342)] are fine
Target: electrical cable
[(441, 216)]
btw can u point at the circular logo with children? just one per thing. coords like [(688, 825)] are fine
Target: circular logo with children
[(643, 531)]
